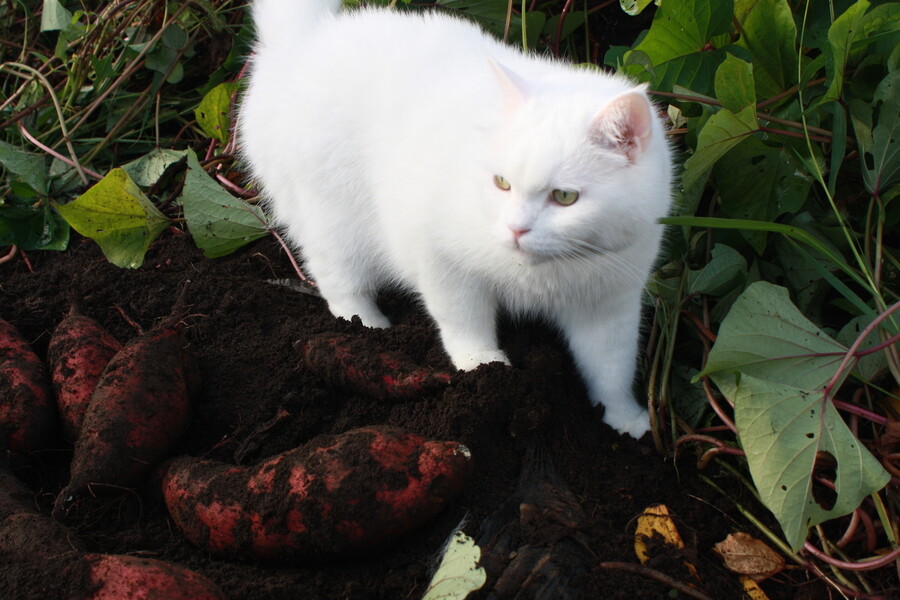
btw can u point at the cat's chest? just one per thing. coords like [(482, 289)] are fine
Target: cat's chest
[(550, 287)]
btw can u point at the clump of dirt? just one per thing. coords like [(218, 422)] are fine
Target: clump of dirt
[(258, 400)]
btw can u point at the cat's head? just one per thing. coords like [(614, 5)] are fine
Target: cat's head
[(578, 166)]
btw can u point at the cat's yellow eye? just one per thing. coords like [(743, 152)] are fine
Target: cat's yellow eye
[(501, 183), (564, 197)]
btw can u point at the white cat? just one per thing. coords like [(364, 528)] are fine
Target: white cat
[(414, 150)]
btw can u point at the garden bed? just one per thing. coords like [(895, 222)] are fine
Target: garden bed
[(243, 325)]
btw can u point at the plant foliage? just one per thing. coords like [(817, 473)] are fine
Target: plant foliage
[(776, 303)]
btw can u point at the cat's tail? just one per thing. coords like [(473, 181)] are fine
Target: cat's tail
[(284, 22)]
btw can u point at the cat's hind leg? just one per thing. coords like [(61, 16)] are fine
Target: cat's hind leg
[(343, 265)]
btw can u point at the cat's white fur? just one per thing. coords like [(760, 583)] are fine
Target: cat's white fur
[(376, 136)]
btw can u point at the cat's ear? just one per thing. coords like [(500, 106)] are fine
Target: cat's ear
[(513, 87), (625, 124)]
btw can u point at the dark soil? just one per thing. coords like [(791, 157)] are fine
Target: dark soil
[(258, 400)]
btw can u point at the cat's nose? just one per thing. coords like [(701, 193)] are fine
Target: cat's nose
[(517, 233)]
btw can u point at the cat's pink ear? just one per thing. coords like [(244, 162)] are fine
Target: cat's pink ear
[(625, 124), (513, 87)]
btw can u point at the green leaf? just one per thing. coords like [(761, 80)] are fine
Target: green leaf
[(33, 228), (31, 168), (725, 270), (685, 27), (870, 366), (54, 16), (218, 222), (734, 84), (634, 7), (458, 574), (692, 71), (881, 152), (764, 335), (793, 232), (782, 427), (147, 170), (214, 111), (722, 132), (769, 34), (773, 363), (846, 29), (117, 215), (760, 182)]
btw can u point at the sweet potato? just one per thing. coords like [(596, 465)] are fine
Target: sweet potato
[(79, 350), (340, 360), (40, 546), (115, 577), (25, 534), (104, 577), (27, 412), (337, 495), (138, 412)]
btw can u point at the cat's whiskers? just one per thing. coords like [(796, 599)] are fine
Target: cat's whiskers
[(586, 255)]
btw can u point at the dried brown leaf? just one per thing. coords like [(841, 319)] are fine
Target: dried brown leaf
[(749, 556)]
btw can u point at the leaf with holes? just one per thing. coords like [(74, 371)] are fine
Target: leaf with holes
[(214, 111), (117, 215), (782, 429), (685, 27), (773, 364)]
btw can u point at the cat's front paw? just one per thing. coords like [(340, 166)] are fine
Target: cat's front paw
[(634, 423), (468, 361)]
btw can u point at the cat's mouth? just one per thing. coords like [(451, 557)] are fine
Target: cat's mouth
[(529, 255)]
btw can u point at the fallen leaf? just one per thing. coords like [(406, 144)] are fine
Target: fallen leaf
[(458, 574), (655, 521), (889, 441), (754, 592), (749, 556)]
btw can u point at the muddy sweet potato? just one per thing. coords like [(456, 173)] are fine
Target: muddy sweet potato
[(338, 495), (115, 577), (341, 361), (138, 412), (104, 577), (26, 534), (27, 412), (79, 350), (38, 546)]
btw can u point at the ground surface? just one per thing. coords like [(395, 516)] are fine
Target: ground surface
[(243, 329)]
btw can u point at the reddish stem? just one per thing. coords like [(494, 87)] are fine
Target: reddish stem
[(710, 397), (863, 565)]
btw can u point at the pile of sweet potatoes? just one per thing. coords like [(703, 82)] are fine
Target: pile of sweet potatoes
[(126, 407)]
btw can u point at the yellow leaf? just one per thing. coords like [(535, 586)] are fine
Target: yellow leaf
[(655, 521), (754, 592)]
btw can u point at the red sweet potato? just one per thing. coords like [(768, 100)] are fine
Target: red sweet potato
[(138, 412), (116, 577), (337, 495), (40, 546), (25, 534), (79, 350), (340, 360), (27, 412)]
